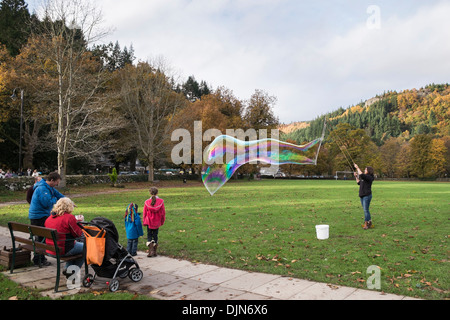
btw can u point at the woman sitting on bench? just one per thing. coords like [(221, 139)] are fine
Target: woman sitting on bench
[(65, 223)]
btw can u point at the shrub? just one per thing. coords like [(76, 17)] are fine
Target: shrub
[(113, 177)]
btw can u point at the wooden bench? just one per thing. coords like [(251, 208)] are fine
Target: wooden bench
[(29, 243)]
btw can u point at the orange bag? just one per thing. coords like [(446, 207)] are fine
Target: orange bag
[(95, 245)]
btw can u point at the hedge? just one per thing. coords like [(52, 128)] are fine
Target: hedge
[(23, 183)]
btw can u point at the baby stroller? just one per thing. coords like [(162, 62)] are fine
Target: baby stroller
[(116, 262)]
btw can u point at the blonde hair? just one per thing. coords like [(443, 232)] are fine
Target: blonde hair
[(62, 206)]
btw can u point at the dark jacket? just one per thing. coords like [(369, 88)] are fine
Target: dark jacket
[(30, 192), (365, 184)]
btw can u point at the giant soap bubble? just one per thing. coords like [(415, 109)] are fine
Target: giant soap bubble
[(226, 154)]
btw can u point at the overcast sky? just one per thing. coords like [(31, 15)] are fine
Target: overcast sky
[(314, 56)]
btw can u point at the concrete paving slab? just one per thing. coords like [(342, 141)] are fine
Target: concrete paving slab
[(252, 296), (180, 289), (322, 291), (158, 280), (283, 288), (215, 293), (360, 294), (165, 264), (249, 281), (193, 271), (220, 275), (42, 284), (24, 275), (151, 283)]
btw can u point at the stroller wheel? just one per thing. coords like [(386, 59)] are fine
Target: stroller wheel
[(136, 274), (114, 285), (88, 280)]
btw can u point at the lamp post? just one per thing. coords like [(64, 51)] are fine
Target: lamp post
[(14, 97)]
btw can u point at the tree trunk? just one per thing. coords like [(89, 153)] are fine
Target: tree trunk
[(133, 158), (28, 155), (62, 169), (151, 176), (30, 143)]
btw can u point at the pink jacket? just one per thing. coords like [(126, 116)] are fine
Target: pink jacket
[(154, 216)]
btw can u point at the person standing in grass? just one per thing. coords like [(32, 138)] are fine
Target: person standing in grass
[(154, 216), (365, 181)]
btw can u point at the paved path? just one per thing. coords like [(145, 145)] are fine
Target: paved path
[(173, 279)]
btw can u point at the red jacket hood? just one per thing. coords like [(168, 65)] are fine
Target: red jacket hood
[(158, 204)]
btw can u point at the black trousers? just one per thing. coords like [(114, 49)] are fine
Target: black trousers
[(40, 223), (152, 235)]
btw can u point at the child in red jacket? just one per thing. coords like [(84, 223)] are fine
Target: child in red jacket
[(154, 216)]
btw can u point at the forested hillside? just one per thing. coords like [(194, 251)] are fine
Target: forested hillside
[(392, 114), (395, 122)]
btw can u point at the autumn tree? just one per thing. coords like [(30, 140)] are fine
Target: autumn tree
[(62, 40), (259, 113), (388, 153), (402, 164), (214, 113), (348, 144), (149, 101), (420, 154), (438, 161), (24, 74), (446, 140)]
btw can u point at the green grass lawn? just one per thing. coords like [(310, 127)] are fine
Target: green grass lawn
[(269, 226)]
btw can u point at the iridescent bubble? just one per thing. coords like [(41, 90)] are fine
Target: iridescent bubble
[(226, 154)]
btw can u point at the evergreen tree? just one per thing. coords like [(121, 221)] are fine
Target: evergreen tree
[(191, 89), (194, 91), (204, 89), (127, 56), (14, 24), (112, 57)]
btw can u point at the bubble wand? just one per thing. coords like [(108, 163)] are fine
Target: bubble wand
[(341, 147)]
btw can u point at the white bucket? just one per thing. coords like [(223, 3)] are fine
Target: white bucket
[(322, 231)]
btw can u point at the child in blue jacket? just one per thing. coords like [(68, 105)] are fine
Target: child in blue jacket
[(133, 227)]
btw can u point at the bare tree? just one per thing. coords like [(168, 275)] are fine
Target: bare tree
[(150, 102), (63, 38)]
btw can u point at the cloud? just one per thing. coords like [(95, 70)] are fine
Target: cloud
[(404, 53), (313, 56)]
